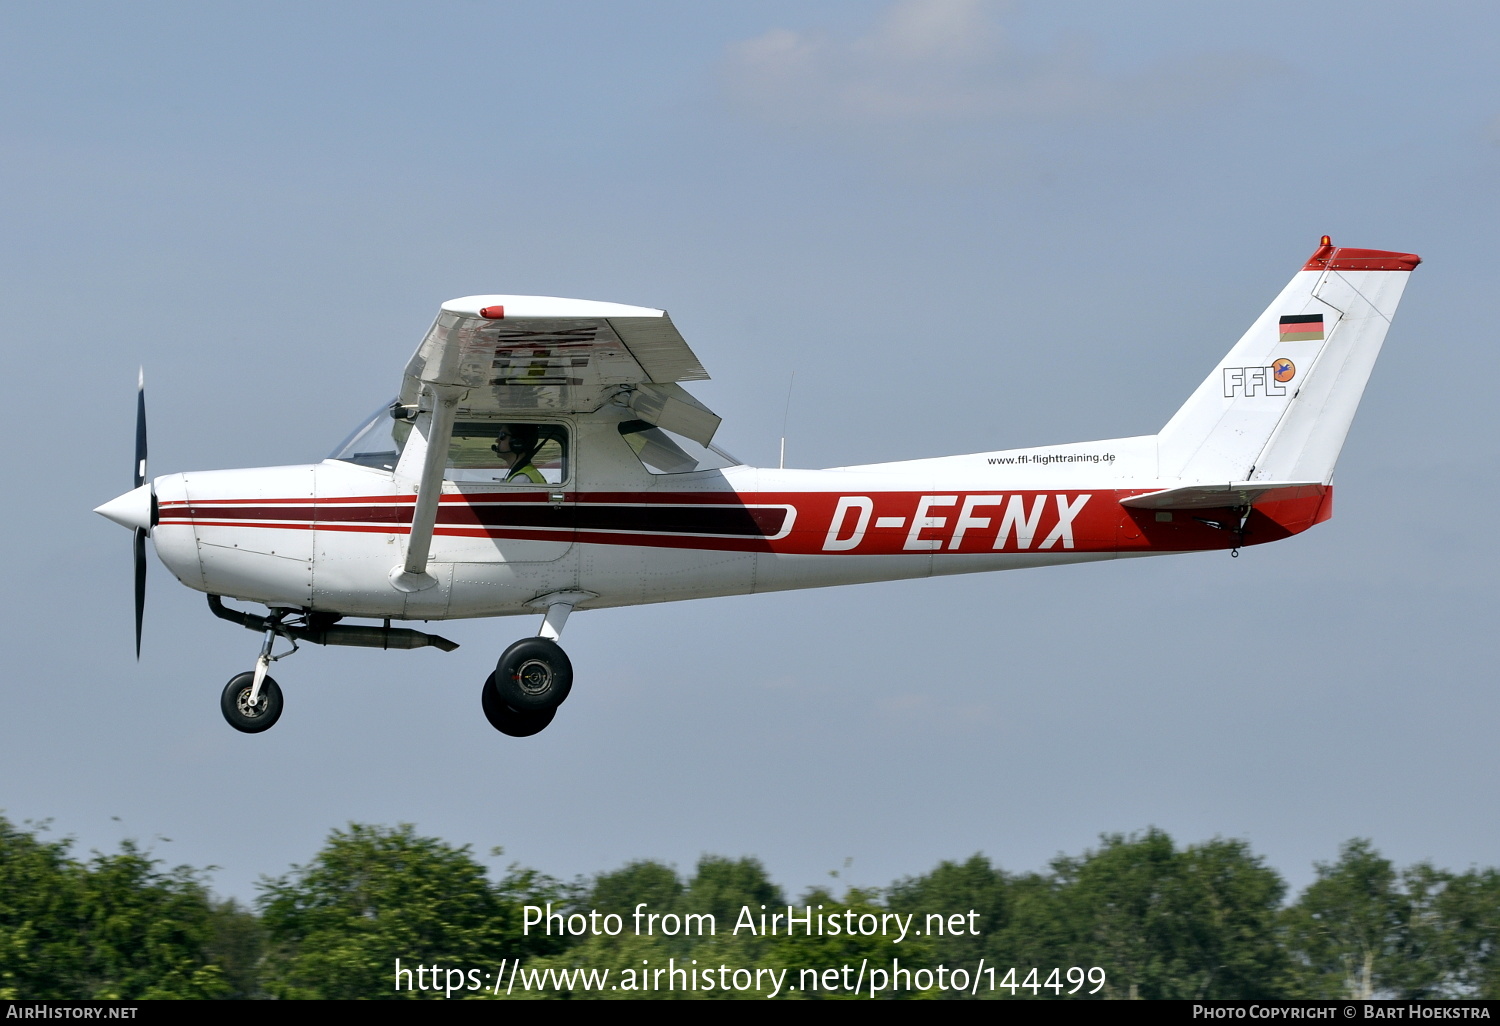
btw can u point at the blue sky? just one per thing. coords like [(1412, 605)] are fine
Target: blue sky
[(965, 226)]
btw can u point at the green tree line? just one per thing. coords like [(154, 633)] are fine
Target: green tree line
[(1210, 920)]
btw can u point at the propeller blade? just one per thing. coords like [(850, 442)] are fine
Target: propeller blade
[(140, 586), (140, 533), (140, 429)]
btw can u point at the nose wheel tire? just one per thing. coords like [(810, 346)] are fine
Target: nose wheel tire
[(247, 718), (509, 721), (534, 675)]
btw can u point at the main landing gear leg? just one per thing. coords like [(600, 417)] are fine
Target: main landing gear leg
[(533, 676)]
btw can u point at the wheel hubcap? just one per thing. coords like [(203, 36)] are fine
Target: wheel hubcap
[(250, 712), (534, 677)]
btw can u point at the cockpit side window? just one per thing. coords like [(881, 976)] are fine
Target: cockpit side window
[(508, 452)]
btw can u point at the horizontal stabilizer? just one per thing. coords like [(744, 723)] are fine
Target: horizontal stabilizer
[(1236, 493)]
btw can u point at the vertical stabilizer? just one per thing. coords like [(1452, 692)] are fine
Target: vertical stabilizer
[(1279, 405)]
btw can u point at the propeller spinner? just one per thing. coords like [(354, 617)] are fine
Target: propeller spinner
[(136, 509)]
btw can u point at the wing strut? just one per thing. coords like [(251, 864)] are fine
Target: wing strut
[(412, 575)]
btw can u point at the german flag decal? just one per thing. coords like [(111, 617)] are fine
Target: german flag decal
[(1302, 328)]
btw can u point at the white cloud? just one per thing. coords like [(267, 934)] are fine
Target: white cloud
[(933, 62)]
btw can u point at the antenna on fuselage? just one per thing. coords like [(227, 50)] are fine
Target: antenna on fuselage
[(784, 415)]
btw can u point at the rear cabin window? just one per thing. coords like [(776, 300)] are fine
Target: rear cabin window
[(666, 452)]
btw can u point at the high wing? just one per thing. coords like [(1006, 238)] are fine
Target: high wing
[(539, 355), (529, 355)]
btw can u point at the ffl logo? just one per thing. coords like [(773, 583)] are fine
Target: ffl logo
[(1252, 381)]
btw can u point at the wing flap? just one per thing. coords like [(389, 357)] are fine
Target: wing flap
[(673, 408)]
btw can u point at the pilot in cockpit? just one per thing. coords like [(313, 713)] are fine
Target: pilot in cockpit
[(516, 445)]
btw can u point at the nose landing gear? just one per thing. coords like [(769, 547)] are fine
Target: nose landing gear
[(251, 702), (248, 710)]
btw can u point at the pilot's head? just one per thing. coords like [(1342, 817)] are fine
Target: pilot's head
[(514, 439)]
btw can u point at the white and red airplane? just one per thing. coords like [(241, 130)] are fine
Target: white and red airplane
[(542, 456)]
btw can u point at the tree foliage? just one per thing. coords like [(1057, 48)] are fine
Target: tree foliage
[(374, 894), (718, 889), (1366, 929), (1199, 922), (1195, 923), (1206, 921), (116, 927)]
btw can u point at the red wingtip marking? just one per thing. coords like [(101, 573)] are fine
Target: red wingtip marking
[(493, 313)]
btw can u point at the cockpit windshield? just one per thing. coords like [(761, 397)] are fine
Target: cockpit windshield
[(377, 442)]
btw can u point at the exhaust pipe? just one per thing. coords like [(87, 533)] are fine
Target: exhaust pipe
[(335, 634)]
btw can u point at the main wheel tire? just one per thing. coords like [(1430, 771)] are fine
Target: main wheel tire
[(507, 720), (241, 715), (534, 675)]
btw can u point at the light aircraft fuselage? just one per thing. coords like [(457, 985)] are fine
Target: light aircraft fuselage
[(325, 536)]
